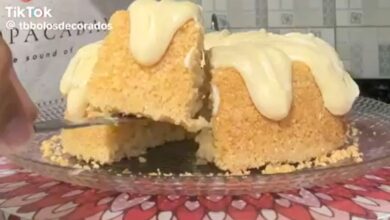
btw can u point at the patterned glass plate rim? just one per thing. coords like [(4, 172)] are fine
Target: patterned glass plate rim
[(370, 116)]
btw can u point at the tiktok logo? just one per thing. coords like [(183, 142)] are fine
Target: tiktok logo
[(28, 12)]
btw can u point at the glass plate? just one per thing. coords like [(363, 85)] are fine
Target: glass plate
[(369, 116)]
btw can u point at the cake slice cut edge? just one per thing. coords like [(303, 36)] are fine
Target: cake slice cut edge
[(107, 144), (241, 138), (169, 91)]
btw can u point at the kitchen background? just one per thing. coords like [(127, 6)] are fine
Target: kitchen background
[(358, 29)]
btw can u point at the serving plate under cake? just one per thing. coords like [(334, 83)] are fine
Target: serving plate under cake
[(173, 168)]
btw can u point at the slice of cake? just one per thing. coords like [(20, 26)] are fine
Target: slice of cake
[(107, 143), (150, 64), (277, 99)]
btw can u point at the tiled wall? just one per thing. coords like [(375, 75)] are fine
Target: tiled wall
[(359, 29)]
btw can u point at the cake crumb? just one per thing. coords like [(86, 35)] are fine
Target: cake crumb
[(304, 165), (52, 151), (157, 173), (227, 173), (126, 171), (142, 159), (350, 152), (95, 165), (278, 168), (339, 155), (85, 167), (186, 174), (76, 172), (77, 166)]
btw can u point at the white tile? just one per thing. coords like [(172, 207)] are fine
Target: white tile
[(207, 19), (287, 4), (299, 30), (328, 36), (280, 19), (274, 19), (243, 20), (347, 65), (367, 40), (208, 5), (344, 51), (356, 17), (250, 19), (341, 4), (355, 4), (274, 4), (383, 35), (342, 37), (343, 18), (383, 4), (220, 5), (315, 3), (287, 19), (311, 17), (248, 5)]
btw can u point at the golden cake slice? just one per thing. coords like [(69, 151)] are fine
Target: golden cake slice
[(277, 99), (150, 64), (107, 143), (245, 139), (160, 84)]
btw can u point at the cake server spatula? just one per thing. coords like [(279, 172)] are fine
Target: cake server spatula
[(57, 124)]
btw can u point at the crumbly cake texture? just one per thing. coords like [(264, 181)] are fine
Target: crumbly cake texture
[(336, 156), (53, 151), (244, 139), (168, 91), (111, 143)]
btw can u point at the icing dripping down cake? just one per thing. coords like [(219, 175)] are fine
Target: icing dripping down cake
[(274, 99)]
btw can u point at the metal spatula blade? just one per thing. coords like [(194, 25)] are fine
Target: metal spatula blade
[(57, 124)]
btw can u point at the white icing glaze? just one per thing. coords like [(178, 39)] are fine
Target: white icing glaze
[(154, 24), (266, 72), (188, 60), (216, 99), (225, 38), (75, 79), (215, 39), (338, 89)]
